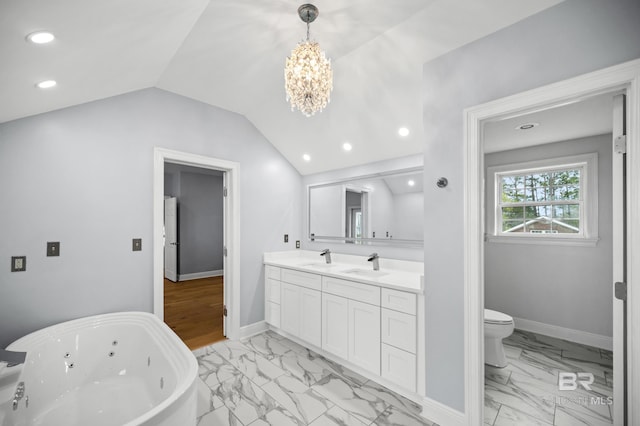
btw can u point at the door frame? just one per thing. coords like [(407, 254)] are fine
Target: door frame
[(624, 76), (231, 230)]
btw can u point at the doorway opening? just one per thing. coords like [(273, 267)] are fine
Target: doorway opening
[(623, 78), (548, 263), (194, 253), (204, 271)]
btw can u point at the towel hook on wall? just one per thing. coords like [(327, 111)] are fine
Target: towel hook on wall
[(442, 182)]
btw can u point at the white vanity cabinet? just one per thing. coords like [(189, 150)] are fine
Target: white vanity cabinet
[(367, 325)]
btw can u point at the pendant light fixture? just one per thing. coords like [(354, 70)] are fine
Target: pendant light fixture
[(308, 78)]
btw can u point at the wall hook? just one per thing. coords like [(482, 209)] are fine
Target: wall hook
[(442, 182)]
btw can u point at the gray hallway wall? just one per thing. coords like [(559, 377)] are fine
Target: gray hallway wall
[(200, 217)]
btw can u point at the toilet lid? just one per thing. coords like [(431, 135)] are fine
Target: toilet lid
[(495, 317)]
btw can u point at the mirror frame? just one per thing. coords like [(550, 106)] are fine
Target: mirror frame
[(368, 241)]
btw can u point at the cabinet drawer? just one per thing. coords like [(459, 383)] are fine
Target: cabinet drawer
[(273, 314), (272, 272), (399, 367), (273, 290), (399, 330), (304, 279), (399, 301), (352, 290)]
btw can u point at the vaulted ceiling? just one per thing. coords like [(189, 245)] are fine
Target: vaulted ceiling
[(231, 53)]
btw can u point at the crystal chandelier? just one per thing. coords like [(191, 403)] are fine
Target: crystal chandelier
[(308, 78)]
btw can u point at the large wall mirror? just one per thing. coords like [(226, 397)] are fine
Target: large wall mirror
[(384, 208)]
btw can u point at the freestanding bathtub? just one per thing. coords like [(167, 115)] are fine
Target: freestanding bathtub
[(115, 369)]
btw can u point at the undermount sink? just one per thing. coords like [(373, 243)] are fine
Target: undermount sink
[(365, 272), (317, 265)]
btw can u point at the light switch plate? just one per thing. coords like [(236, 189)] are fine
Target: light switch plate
[(53, 248), (137, 244)]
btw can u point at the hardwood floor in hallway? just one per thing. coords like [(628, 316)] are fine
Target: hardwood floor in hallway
[(193, 310)]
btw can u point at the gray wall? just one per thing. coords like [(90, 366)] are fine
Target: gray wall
[(572, 38), (200, 217), (384, 250), (84, 176), (565, 286)]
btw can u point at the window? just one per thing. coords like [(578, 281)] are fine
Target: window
[(544, 201)]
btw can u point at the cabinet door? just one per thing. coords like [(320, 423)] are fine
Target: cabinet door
[(290, 308), (310, 315), (364, 335), (335, 317), (273, 314)]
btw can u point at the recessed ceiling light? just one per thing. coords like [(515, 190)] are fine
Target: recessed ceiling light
[(527, 126), (41, 37), (347, 146), (411, 183), (46, 84), (403, 131), (306, 157)]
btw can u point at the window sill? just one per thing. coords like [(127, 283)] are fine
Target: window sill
[(555, 241)]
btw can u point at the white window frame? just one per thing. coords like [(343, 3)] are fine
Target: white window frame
[(589, 200)]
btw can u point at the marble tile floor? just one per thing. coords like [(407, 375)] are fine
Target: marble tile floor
[(270, 380), (525, 392)]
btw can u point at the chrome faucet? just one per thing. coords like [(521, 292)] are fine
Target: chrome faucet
[(373, 257), (12, 358), (327, 255)]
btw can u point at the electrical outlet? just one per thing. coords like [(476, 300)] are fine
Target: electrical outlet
[(18, 263), (137, 244), (286, 238), (297, 243), (53, 248)]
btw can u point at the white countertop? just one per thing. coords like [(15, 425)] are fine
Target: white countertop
[(396, 274)]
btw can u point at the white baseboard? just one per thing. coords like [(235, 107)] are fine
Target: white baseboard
[(443, 414), (578, 336), (198, 275), (253, 329)]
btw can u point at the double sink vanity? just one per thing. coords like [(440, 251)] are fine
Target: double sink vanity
[(371, 321)]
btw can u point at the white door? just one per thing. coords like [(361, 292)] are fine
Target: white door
[(227, 274), (171, 238), (619, 261), (310, 321), (364, 335), (335, 316)]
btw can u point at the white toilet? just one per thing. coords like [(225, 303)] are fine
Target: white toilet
[(497, 326)]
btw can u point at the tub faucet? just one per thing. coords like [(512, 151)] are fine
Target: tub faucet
[(373, 257), (12, 358), (327, 255), (18, 395)]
